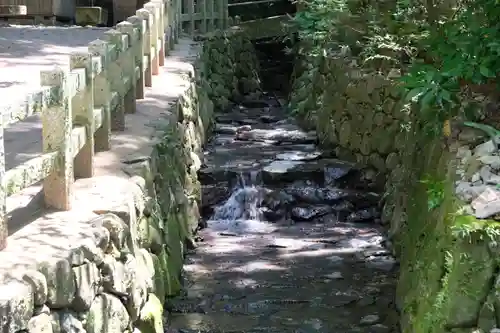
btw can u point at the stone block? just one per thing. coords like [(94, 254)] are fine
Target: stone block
[(41, 323), (91, 16), (107, 314), (16, 306), (60, 282), (88, 280), (117, 279), (69, 323)]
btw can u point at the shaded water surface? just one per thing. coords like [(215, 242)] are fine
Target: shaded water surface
[(293, 242)]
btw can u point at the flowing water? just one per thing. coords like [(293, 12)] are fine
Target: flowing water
[(293, 240)]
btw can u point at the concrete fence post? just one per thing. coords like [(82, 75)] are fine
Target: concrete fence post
[(56, 132), (83, 115), (115, 77), (161, 31), (102, 94), (128, 64), (153, 8), (148, 18), (140, 25)]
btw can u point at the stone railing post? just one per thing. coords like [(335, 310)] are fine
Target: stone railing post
[(4, 222), (153, 8), (56, 132), (102, 94), (83, 115), (148, 19), (161, 31), (139, 25), (115, 77), (128, 64)]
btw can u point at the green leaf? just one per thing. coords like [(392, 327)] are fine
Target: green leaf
[(486, 72)]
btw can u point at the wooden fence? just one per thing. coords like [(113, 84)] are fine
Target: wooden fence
[(81, 107), (201, 16)]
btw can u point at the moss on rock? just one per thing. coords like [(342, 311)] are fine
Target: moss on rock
[(151, 316)]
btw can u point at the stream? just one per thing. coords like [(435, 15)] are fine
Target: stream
[(291, 240)]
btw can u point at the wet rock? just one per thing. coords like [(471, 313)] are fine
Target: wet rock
[(272, 215), (243, 128), (299, 156), (226, 119), (268, 119), (306, 194), (363, 215), (282, 171), (308, 213), (277, 135), (255, 104), (214, 194), (210, 175), (369, 320), (357, 198), (343, 206), (334, 276), (225, 129), (334, 173)]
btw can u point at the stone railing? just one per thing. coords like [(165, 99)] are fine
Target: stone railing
[(81, 107)]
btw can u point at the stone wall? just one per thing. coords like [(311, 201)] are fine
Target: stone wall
[(355, 110), (231, 64), (128, 260), (441, 194)]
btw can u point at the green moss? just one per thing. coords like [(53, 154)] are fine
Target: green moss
[(151, 316), (160, 276)]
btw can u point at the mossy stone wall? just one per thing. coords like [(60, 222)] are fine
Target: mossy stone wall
[(357, 111), (449, 273), (230, 65)]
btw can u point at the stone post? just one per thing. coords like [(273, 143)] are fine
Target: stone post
[(4, 222), (139, 25), (148, 18), (115, 77), (154, 9), (56, 132), (128, 64), (83, 114), (102, 94), (211, 15), (161, 30)]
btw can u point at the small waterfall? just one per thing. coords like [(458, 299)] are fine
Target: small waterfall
[(241, 213)]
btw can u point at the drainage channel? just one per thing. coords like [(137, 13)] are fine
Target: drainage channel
[(292, 241)]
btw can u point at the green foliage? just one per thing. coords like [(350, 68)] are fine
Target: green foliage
[(461, 52), (435, 192)]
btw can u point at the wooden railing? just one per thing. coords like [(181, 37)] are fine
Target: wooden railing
[(201, 16), (82, 105)]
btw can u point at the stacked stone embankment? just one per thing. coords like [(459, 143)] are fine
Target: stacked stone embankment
[(441, 206)]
